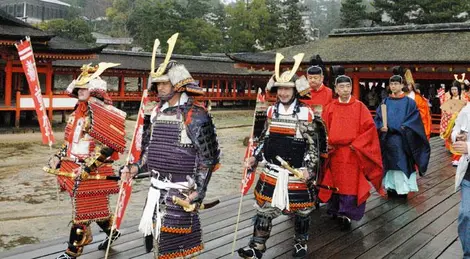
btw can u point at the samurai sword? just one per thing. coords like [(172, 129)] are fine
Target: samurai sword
[(188, 207), (85, 176), (300, 175)]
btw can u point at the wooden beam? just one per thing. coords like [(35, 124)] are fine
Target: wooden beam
[(144, 83), (122, 86), (49, 78), (51, 109), (8, 82), (356, 91), (250, 84), (17, 110), (212, 87), (218, 88), (234, 92)]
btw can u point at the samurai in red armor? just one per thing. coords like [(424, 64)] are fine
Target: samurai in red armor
[(292, 134), (180, 150), (94, 136)]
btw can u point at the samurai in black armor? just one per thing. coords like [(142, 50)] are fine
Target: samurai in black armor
[(181, 151), (293, 133)]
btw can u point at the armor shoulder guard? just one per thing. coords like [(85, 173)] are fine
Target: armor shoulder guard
[(107, 124), (201, 130)]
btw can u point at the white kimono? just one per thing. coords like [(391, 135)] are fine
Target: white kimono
[(462, 124)]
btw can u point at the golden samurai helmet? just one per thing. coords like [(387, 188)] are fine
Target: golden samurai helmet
[(90, 73), (171, 71), (288, 78)]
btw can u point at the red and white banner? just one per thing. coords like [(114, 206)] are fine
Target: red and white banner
[(248, 174), (441, 94), (134, 155), (25, 52), (136, 147)]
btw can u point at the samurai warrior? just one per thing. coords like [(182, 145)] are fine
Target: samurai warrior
[(181, 151), (94, 137), (293, 135)]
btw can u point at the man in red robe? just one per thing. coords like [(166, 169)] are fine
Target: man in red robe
[(320, 95), (354, 155)]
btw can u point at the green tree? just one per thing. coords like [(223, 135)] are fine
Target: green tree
[(441, 11), (76, 29), (241, 27), (294, 33), (400, 12), (118, 16), (161, 19), (251, 27), (325, 15), (273, 26), (353, 13)]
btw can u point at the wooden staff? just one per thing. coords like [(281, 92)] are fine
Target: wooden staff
[(113, 226)]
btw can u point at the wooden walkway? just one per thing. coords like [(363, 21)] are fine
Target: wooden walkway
[(423, 227)]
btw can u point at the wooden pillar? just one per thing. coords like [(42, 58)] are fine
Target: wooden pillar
[(212, 87), (226, 87), (49, 88), (144, 83), (246, 89), (356, 90), (218, 88), (8, 82), (48, 78), (250, 84), (51, 108), (234, 87), (122, 86), (201, 84), (17, 110)]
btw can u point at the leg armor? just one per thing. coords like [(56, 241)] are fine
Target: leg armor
[(105, 225), (302, 224), (80, 236), (261, 231)]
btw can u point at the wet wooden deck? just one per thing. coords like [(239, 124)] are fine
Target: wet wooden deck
[(423, 227)]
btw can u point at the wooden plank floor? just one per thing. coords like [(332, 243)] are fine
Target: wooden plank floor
[(425, 226)]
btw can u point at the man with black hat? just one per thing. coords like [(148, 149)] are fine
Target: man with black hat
[(320, 95), (294, 134), (403, 141), (354, 157)]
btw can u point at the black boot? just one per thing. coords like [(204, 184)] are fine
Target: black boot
[(392, 193), (345, 223), (148, 243), (403, 197), (300, 250), (65, 256), (250, 253), (114, 237)]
